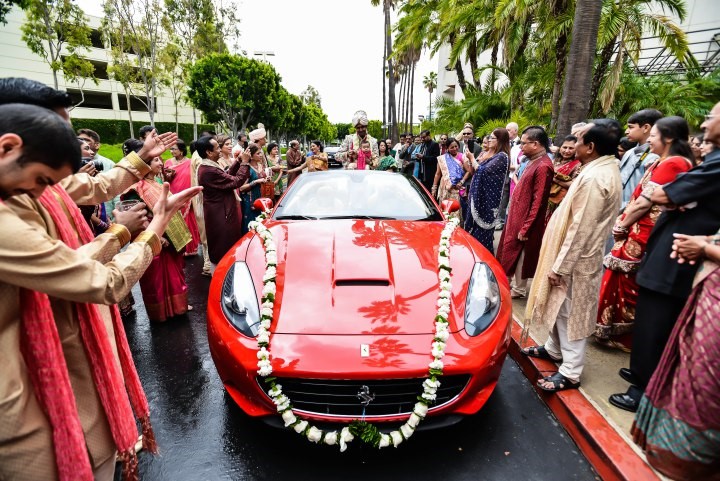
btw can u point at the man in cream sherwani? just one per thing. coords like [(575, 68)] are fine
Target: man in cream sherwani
[(565, 293)]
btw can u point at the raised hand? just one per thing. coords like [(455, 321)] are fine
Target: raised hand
[(167, 205), (155, 144)]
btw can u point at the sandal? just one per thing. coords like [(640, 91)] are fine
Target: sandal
[(559, 382), (539, 352)]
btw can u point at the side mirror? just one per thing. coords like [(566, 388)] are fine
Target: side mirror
[(449, 206), (263, 204)]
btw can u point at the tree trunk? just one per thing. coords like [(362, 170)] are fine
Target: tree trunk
[(493, 62), (458, 66), (576, 91), (194, 124), (430, 105), (391, 73), (384, 63), (560, 54), (401, 103), (473, 58), (412, 93), (600, 72), (129, 109)]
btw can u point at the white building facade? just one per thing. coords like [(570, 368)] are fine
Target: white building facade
[(106, 100)]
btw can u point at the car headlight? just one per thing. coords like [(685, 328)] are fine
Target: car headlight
[(483, 299), (239, 302)]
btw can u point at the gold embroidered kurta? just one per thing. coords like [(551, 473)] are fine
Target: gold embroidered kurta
[(31, 257), (573, 246)]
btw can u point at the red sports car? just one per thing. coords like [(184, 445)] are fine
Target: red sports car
[(357, 286)]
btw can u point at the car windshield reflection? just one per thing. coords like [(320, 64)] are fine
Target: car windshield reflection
[(350, 194)]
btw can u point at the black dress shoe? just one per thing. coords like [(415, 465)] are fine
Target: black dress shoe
[(627, 375), (624, 401)]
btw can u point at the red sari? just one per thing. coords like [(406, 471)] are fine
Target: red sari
[(163, 284), (564, 173), (619, 291), (180, 182)]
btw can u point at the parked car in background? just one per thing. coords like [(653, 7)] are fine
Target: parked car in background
[(332, 162)]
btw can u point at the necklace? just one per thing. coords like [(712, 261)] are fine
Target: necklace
[(367, 432)]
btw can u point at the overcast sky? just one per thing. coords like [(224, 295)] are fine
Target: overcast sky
[(334, 45)]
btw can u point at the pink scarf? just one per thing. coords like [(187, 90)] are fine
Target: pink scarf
[(363, 160), (42, 351)]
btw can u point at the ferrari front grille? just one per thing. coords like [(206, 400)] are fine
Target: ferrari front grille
[(390, 397)]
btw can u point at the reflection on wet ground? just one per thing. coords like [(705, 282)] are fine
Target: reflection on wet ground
[(203, 435)]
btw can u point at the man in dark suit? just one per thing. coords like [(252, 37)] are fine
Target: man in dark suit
[(693, 209), (427, 157)]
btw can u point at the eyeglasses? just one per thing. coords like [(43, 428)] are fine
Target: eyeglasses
[(529, 142), (467, 133)]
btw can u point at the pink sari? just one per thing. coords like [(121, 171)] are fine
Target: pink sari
[(180, 182), (163, 284)]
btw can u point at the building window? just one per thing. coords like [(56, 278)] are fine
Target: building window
[(136, 104), (96, 39), (93, 100)]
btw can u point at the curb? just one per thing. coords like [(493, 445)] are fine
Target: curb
[(606, 450)]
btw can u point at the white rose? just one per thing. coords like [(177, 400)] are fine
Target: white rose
[(436, 364), (443, 335), (331, 438), (271, 258), (263, 338), (275, 390), (300, 427), (268, 277), (406, 430), (283, 407), (384, 441), (446, 286), (264, 371), (443, 261), (396, 438), (265, 324), (314, 434), (345, 437), (444, 311), (431, 384), (271, 271), (428, 396), (268, 305), (437, 353), (263, 353), (421, 409), (414, 420), (266, 312), (289, 418), (444, 275)]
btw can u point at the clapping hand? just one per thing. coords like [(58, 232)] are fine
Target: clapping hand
[(687, 248), (155, 144), (167, 205)]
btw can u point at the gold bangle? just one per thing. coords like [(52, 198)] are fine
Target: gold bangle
[(120, 232), (137, 163), (151, 239)]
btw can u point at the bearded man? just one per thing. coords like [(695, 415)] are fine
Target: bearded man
[(351, 143)]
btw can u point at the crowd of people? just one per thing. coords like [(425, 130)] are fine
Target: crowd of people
[(611, 239)]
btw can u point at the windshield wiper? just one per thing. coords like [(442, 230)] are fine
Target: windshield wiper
[(365, 217), (295, 217)]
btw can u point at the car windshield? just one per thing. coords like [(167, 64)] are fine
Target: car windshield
[(349, 194)]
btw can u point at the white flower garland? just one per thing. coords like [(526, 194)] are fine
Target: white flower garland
[(364, 430)]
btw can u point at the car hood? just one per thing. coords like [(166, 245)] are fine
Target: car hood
[(352, 277)]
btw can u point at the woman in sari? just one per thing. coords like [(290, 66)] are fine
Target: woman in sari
[(384, 156), (679, 415), (619, 291), (226, 157), (486, 187), (450, 175), (177, 170), (163, 285), (252, 189), (278, 165), (567, 167)]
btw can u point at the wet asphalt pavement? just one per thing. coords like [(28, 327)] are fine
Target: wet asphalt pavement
[(203, 435)]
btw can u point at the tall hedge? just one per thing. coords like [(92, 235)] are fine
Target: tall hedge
[(117, 131)]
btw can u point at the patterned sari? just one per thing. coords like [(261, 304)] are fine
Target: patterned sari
[(247, 199), (678, 421), (484, 199), (564, 173), (452, 172), (163, 285), (619, 291), (180, 182)]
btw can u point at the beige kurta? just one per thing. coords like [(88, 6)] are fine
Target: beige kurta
[(31, 257), (573, 246)]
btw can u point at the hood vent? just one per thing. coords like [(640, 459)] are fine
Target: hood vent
[(361, 282)]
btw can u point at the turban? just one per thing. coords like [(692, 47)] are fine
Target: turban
[(360, 117), (258, 133)]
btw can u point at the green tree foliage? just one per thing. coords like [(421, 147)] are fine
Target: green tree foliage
[(311, 96), (54, 29), (234, 90), (7, 5), (343, 129)]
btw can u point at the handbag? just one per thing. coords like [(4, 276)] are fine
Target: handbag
[(267, 189)]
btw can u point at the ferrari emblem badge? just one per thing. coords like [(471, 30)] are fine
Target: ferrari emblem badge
[(365, 396), (364, 350)]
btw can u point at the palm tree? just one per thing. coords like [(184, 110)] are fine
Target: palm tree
[(430, 83), (387, 56), (576, 92)]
